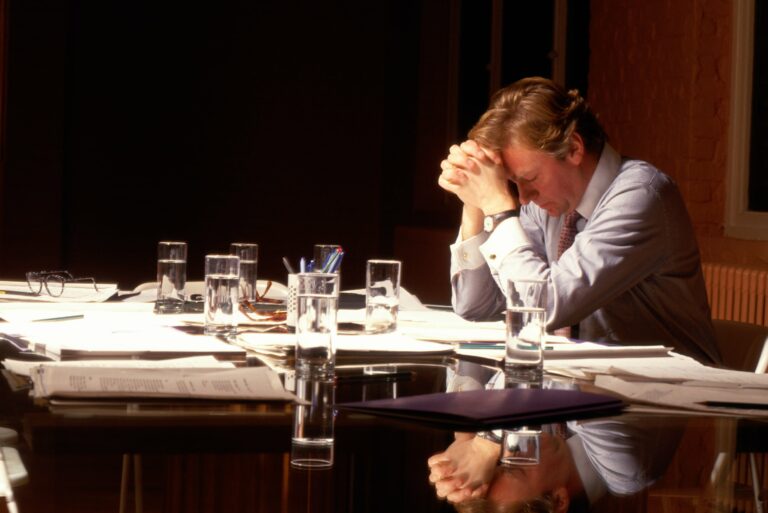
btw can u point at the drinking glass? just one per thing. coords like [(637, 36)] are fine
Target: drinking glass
[(317, 303), (249, 261), (526, 320), (171, 276), (222, 276), (382, 295)]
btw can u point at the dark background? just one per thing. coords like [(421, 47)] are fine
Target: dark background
[(282, 123)]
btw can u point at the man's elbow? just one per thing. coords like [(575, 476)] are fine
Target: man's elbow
[(477, 311)]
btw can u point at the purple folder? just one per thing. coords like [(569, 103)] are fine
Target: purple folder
[(478, 410)]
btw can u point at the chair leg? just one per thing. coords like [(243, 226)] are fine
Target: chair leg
[(124, 482), (757, 483), (138, 493)]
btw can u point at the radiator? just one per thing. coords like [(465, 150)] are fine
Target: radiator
[(737, 293)]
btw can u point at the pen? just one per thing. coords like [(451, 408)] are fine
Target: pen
[(337, 263), (18, 293), (328, 267), (734, 404), (481, 345), (302, 265), (62, 318), (327, 261), (288, 266)]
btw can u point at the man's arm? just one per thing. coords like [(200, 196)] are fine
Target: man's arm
[(479, 179)]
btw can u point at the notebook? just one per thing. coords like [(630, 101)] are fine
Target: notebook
[(478, 410)]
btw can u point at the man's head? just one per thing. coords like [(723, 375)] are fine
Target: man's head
[(552, 486), (540, 115), (547, 138)]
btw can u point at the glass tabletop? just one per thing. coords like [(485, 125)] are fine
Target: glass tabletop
[(241, 456)]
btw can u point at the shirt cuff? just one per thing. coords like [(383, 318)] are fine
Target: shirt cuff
[(466, 253), (507, 237)]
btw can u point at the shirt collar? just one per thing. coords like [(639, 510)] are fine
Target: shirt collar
[(605, 173)]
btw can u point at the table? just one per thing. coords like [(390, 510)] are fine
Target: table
[(233, 456)]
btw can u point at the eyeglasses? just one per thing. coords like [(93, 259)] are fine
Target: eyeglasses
[(54, 281), (253, 313), (262, 298)]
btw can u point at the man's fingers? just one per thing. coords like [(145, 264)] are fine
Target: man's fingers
[(459, 495), (447, 486), (438, 458), (473, 149), (441, 470)]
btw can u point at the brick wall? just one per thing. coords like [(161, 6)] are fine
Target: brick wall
[(659, 79)]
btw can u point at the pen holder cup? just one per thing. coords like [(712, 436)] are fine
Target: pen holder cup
[(291, 301)]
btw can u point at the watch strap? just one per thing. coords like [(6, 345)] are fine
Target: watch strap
[(493, 220)]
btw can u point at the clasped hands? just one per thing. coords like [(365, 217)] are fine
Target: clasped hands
[(477, 176), (465, 469)]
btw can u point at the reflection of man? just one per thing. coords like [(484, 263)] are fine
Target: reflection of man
[(621, 456), (631, 274)]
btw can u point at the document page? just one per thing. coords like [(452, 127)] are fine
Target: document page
[(721, 400), (78, 381)]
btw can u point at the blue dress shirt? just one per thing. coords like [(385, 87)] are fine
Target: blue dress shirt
[(633, 273)]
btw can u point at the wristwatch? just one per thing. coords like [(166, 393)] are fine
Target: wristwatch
[(492, 221)]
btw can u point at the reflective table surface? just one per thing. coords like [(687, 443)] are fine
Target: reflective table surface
[(190, 456)]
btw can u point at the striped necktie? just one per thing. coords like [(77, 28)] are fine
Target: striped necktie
[(567, 232)]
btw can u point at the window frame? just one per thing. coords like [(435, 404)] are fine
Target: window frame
[(740, 222)]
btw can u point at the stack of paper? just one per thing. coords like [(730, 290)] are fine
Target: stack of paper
[(202, 379), (77, 331)]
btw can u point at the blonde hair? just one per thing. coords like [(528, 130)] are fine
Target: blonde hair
[(543, 504), (538, 114)]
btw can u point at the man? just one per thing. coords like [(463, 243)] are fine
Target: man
[(595, 459), (631, 274)]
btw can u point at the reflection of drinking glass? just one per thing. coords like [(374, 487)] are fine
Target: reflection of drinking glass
[(317, 302), (312, 441), (249, 261), (382, 295), (521, 447), (171, 276), (526, 320), (222, 276), (383, 388)]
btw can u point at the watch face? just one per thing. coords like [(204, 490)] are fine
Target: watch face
[(488, 223)]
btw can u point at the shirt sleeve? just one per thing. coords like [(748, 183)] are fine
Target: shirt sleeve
[(621, 244), (476, 288)]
